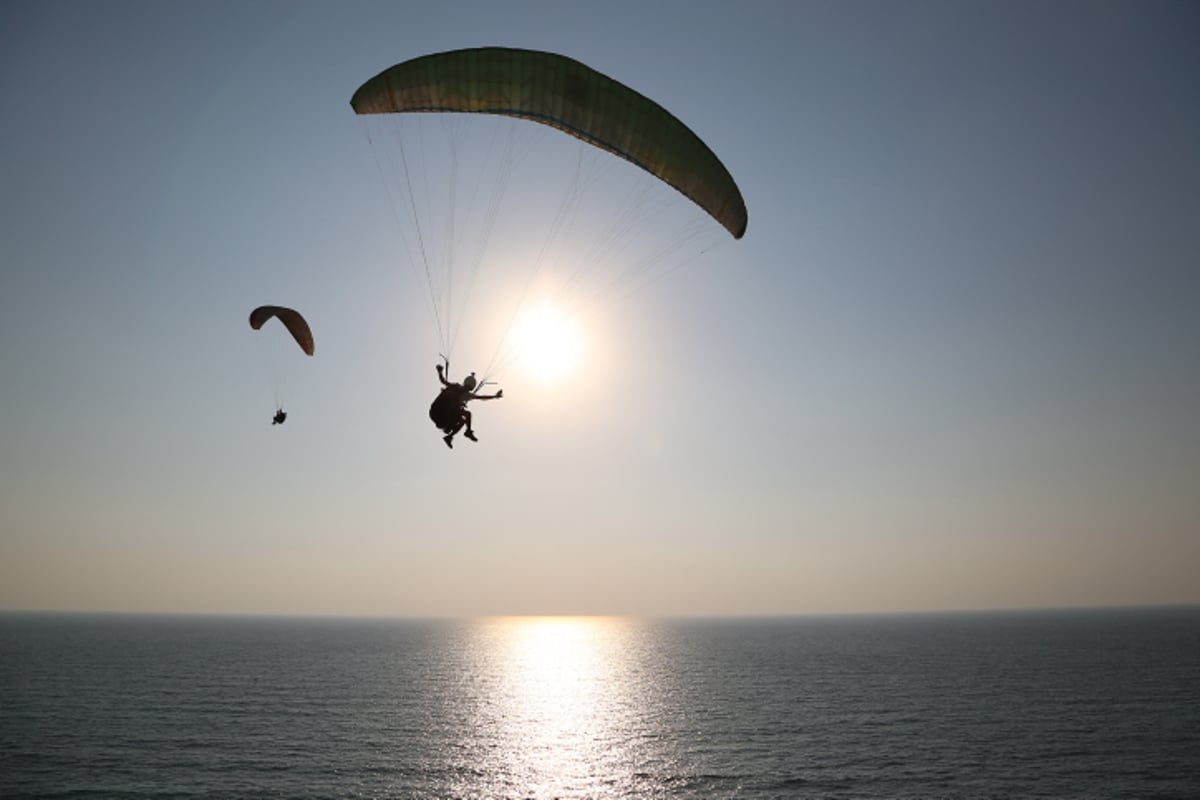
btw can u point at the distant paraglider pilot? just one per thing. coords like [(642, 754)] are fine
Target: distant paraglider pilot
[(296, 325), (449, 409)]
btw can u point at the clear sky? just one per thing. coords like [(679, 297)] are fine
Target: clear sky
[(953, 364)]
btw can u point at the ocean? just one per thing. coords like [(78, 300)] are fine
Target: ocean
[(1058, 704)]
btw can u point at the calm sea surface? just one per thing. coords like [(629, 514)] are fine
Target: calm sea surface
[(1086, 704)]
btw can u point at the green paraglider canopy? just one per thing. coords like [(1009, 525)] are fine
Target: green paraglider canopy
[(291, 320), (560, 92)]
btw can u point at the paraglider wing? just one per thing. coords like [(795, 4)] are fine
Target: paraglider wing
[(565, 94), (291, 320)]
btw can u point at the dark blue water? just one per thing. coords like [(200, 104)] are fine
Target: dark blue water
[(1083, 704)]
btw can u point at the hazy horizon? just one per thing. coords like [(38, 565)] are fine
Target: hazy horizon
[(897, 613)]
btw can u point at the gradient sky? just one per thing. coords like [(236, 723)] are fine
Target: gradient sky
[(954, 364)]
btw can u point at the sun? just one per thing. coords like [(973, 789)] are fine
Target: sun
[(549, 344)]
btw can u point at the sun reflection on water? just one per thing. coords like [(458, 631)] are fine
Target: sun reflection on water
[(564, 695)]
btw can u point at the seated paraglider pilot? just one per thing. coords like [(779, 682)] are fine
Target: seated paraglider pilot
[(279, 417), (449, 409)]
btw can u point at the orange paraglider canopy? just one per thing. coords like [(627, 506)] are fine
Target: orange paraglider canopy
[(291, 320)]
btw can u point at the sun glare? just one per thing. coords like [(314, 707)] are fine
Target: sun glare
[(549, 344)]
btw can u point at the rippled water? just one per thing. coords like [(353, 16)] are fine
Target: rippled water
[(1052, 704)]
